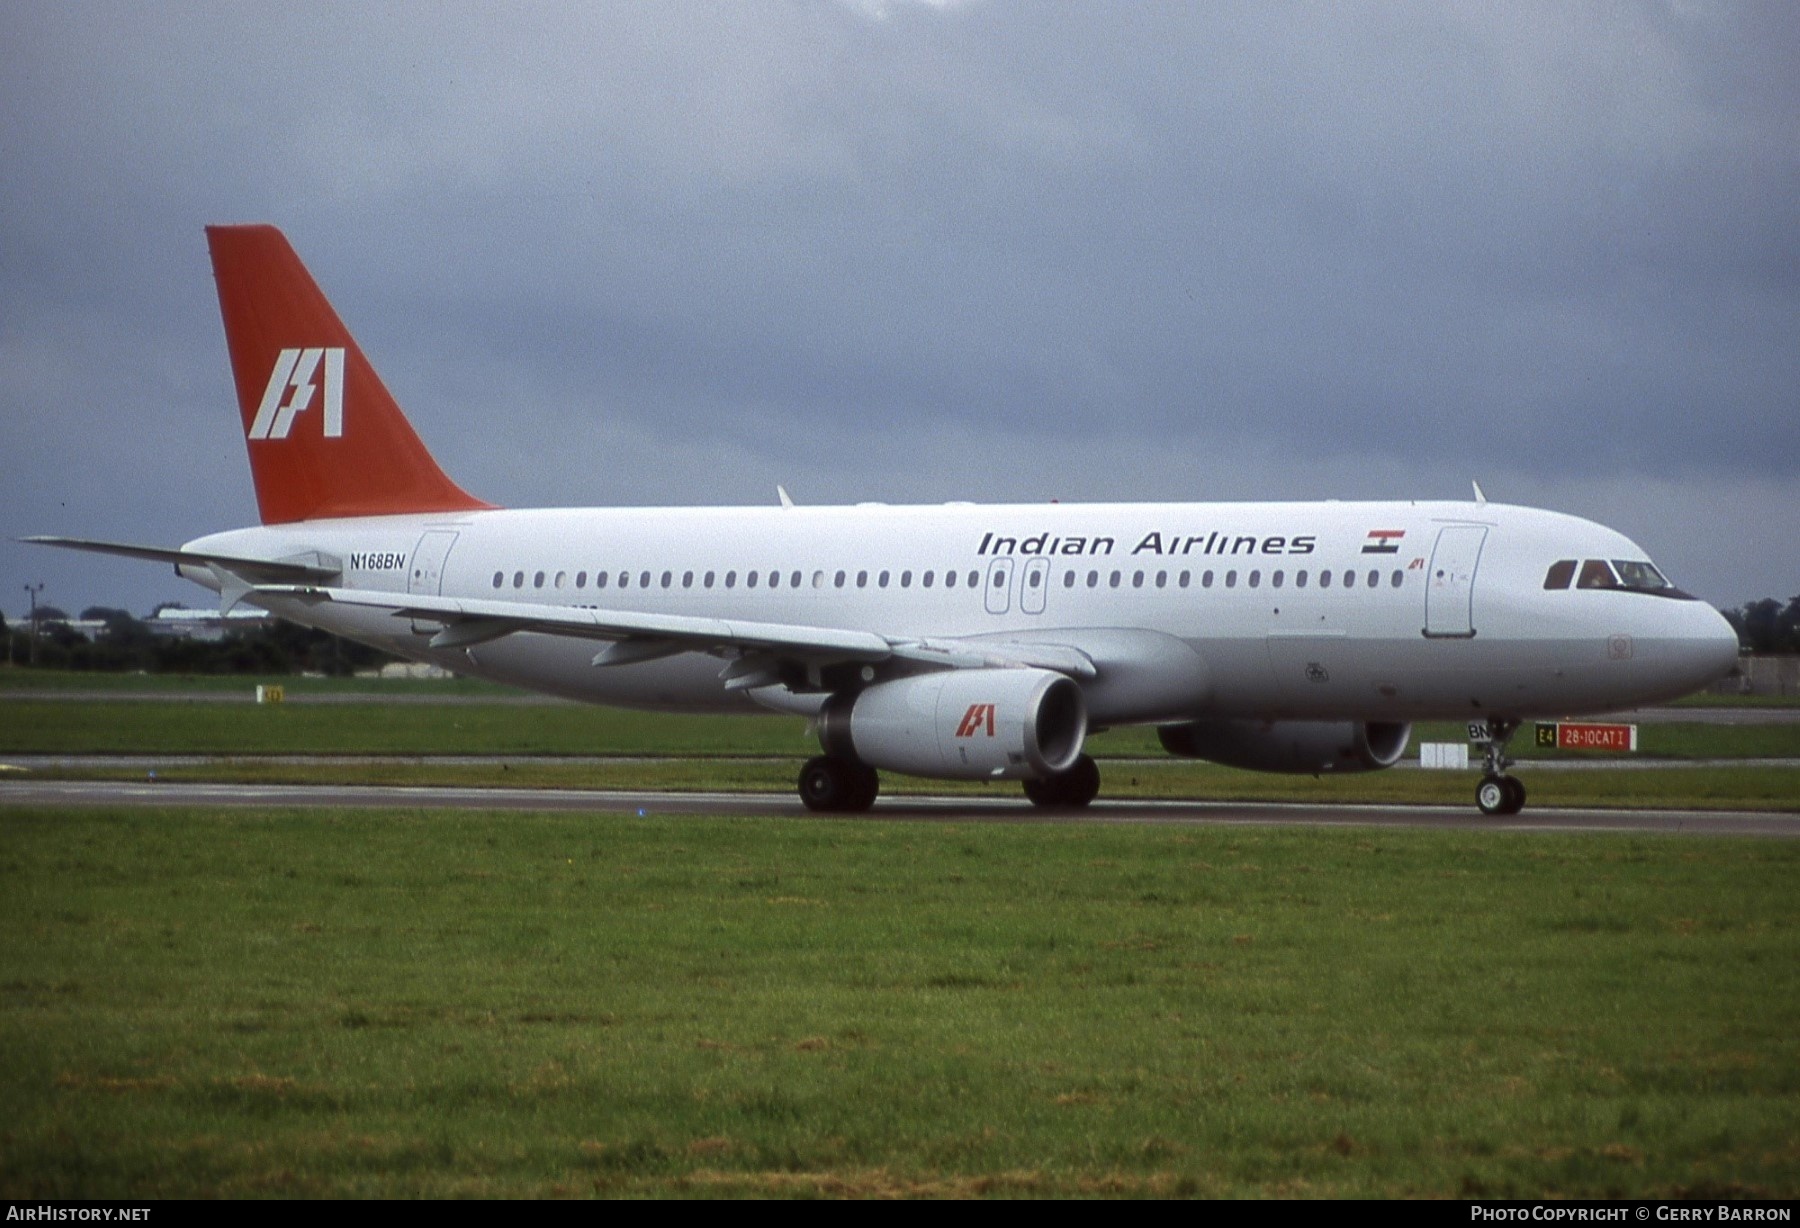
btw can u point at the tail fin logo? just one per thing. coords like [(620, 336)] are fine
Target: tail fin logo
[(292, 385)]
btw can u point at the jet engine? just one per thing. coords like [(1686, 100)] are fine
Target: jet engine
[(1290, 746), (965, 724)]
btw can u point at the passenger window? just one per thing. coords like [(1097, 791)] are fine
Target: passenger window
[(624, 579), (707, 579), (862, 579), (750, 579), (644, 580), (974, 578), (600, 578), (1114, 580), (1206, 579), (562, 578), (1255, 578), (881, 580), (1183, 580), (537, 581), (499, 578), (1093, 579), (839, 579), (949, 579), (1162, 579), (774, 579), (794, 580), (581, 579), (687, 579), (731, 579), (906, 578), (1560, 573), (819, 579), (1231, 579), (1299, 579), (1349, 579), (1374, 579), (1068, 579), (1596, 574), (1397, 578), (668, 578), (1137, 579), (1324, 579)]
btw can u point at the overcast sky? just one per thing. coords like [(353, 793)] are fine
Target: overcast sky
[(677, 253)]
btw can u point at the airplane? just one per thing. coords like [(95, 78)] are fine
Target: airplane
[(960, 641)]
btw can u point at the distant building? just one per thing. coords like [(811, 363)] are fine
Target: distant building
[(207, 626), (1761, 675)]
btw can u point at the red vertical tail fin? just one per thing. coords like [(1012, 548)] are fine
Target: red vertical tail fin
[(326, 438)]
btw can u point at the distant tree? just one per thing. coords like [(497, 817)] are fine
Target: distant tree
[(105, 614), (50, 614), (1767, 626)]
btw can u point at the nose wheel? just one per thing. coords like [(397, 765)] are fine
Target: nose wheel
[(1499, 793)]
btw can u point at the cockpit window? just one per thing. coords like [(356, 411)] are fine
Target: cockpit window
[(1596, 574), (1639, 575), (1626, 575)]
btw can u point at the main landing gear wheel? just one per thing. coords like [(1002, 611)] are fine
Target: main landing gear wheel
[(835, 785), (1070, 790)]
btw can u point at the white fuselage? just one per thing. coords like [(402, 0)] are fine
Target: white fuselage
[(1309, 611)]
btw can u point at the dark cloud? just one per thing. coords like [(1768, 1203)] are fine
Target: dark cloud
[(678, 253)]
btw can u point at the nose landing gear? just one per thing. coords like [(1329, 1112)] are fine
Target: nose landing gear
[(1499, 793)]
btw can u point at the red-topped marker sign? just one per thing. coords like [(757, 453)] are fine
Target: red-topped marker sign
[(1586, 735)]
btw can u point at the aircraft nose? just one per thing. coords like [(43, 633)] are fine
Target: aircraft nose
[(1710, 650)]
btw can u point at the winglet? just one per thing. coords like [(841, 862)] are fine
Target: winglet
[(325, 437)]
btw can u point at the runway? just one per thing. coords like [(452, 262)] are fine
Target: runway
[(914, 808), (149, 764)]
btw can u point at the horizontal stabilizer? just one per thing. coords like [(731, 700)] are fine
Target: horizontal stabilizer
[(261, 570)]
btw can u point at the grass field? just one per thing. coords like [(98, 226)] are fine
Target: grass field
[(304, 1003), (416, 1003)]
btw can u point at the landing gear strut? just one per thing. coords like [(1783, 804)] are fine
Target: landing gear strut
[(1069, 790), (835, 784), (1499, 793)]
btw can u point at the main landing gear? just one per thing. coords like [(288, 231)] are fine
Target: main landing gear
[(836, 785), (1068, 790), (1499, 793)]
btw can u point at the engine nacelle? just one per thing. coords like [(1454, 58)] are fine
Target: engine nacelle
[(1290, 746), (962, 724)]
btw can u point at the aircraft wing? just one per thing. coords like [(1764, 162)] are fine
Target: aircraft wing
[(636, 636)]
